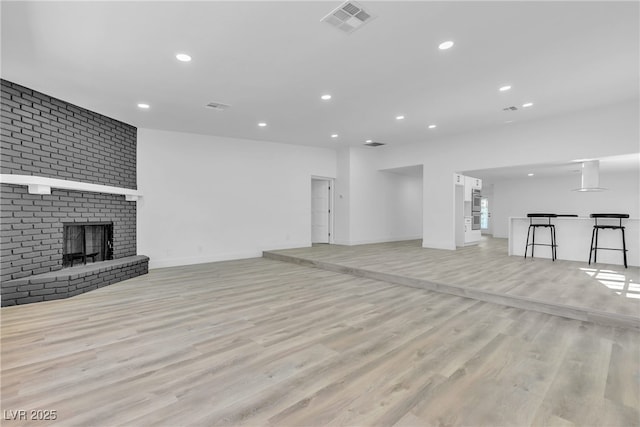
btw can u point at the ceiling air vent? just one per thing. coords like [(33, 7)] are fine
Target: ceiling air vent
[(512, 108), (348, 17), (373, 144), (217, 106)]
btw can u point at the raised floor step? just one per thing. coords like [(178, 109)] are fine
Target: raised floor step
[(562, 310)]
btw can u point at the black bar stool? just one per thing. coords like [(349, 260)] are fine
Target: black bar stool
[(533, 225), (597, 227)]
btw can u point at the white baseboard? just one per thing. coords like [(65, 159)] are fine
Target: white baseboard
[(154, 262), (380, 240), (178, 262), (440, 245)]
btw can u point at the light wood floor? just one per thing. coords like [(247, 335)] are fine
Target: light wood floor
[(260, 342), (487, 266)]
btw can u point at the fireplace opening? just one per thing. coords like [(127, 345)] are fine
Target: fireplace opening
[(87, 241)]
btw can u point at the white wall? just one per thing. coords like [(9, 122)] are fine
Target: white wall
[(212, 198), (404, 206), (607, 131), (342, 197), (382, 206), (518, 197)]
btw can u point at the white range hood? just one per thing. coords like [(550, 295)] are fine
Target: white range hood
[(590, 176)]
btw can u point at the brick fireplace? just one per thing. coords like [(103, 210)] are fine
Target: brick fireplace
[(63, 165)]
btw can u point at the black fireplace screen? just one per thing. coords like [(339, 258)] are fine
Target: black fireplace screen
[(87, 242)]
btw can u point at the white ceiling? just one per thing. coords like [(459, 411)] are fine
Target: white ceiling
[(612, 164), (271, 61)]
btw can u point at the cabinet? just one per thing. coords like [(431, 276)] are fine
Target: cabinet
[(458, 179), (468, 186), (467, 228), (471, 237), (471, 184)]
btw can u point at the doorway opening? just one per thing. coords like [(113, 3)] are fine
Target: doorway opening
[(321, 210)]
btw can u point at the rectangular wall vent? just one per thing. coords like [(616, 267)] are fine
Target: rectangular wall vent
[(348, 17)]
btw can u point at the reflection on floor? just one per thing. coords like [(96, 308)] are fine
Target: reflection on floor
[(621, 283), (486, 269)]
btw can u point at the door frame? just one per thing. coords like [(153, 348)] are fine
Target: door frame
[(331, 205)]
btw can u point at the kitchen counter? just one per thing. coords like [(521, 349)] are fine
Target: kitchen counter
[(573, 237)]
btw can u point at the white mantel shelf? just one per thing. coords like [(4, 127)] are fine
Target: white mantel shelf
[(43, 185)]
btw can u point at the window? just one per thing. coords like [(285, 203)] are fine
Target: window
[(484, 213)]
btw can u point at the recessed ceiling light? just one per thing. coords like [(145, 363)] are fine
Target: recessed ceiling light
[(530, 174), (509, 121), (528, 104), (399, 117), (368, 141), (445, 45), (325, 97), (145, 106), (505, 88), (432, 126), (262, 124), (335, 135), (183, 57)]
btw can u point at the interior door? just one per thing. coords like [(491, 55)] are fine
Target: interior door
[(320, 211)]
